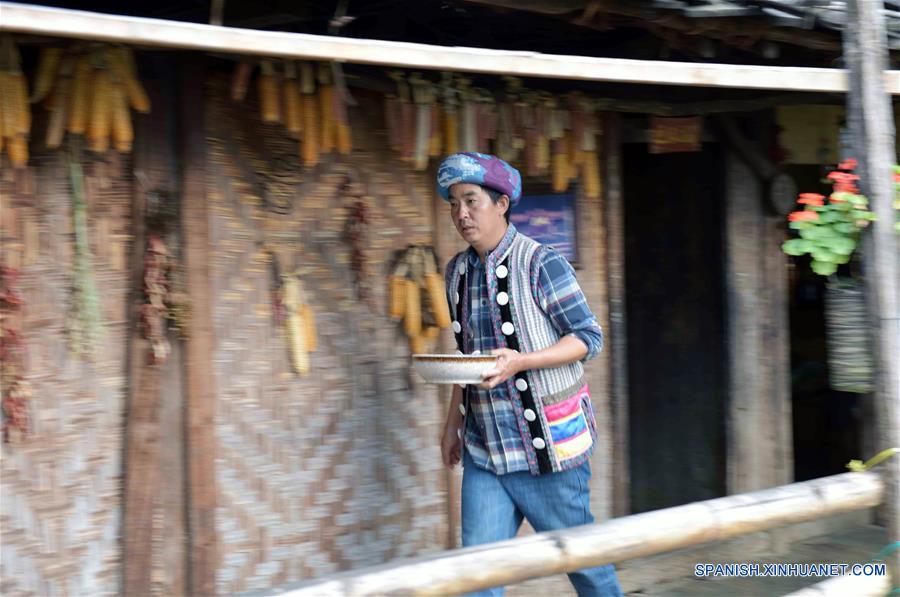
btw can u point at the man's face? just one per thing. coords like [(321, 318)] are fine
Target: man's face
[(477, 218)]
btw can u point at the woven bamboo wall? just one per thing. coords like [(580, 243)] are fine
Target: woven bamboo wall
[(340, 469), (61, 487)]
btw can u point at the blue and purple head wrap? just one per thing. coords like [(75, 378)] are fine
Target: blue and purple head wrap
[(481, 169)]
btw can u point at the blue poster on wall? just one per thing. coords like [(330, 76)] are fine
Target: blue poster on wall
[(549, 219)]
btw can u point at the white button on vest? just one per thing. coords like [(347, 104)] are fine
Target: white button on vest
[(529, 415), (538, 443), (462, 410), (502, 299), (461, 268), (456, 327), (508, 328), (459, 433), (502, 272), (455, 298), (521, 385)]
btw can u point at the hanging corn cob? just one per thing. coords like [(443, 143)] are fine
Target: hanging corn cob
[(101, 106), (418, 296), (422, 100), (269, 102), (310, 113), (341, 97), (326, 108), (300, 324), (290, 90), (16, 112), (48, 63), (58, 104), (123, 64)]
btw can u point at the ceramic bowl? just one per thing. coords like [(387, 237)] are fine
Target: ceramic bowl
[(452, 368)]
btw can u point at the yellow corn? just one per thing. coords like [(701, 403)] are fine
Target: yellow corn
[(101, 116), (8, 124), (269, 106), (417, 345), (591, 171), (296, 329), (19, 112), (56, 125), (343, 139), (17, 150), (78, 109), (48, 64), (412, 323), (310, 130), (396, 297), (309, 321), (122, 131), (292, 118), (560, 173), (122, 62), (451, 131), (438, 295), (326, 111), (432, 332)]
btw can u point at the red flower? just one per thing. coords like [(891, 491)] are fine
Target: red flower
[(803, 216), (848, 164), (897, 177), (811, 199)]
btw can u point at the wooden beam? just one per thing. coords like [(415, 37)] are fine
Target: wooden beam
[(201, 391), (139, 31), (543, 554)]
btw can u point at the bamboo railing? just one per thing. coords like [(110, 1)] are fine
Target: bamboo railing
[(544, 554)]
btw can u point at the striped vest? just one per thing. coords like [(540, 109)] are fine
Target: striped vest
[(552, 406)]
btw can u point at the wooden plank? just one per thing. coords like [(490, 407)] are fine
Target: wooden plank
[(543, 554), (193, 36), (871, 123), (618, 332), (201, 391), (742, 284)]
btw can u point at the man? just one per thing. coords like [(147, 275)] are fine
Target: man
[(526, 433)]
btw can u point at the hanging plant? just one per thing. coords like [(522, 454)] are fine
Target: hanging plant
[(830, 228), (85, 319)]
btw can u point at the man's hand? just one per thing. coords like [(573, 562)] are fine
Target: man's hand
[(509, 362), (451, 446)]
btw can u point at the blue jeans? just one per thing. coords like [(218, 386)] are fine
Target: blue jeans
[(493, 507)]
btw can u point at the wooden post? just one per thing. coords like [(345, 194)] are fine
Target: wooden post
[(544, 554), (617, 343), (201, 391), (153, 438), (872, 132), (759, 421)]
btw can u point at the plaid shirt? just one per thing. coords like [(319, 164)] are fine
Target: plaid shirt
[(492, 435)]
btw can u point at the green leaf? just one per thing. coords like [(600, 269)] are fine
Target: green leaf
[(842, 259), (824, 268), (799, 225), (796, 246), (845, 227), (820, 254), (842, 246)]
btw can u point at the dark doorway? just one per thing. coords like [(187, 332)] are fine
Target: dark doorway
[(674, 208)]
